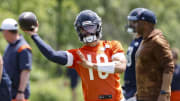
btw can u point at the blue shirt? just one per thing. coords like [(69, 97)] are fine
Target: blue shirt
[(130, 76), (176, 79), (5, 81), (5, 87), (18, 57)]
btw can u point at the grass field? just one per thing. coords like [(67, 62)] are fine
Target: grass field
[(53, 89)]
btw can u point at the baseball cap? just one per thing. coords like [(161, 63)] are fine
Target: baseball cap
[(9, 24)]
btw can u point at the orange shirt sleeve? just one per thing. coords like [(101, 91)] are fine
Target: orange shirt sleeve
[(116, 47)]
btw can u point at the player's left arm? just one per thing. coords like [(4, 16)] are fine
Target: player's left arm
[(120, 62), (25, 63), (118, 57)]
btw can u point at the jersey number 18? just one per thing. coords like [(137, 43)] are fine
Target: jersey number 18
[(98, 59)]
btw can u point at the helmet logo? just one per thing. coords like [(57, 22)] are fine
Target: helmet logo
[(141, 11), (86, 23)]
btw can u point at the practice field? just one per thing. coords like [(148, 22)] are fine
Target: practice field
[(52, 89)]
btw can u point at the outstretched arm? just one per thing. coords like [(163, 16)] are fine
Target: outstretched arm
[(52, 55)]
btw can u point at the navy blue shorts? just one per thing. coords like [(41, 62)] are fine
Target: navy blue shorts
[(129, 91), (5, 91)]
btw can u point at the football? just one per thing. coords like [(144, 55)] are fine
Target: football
[(28, 21)]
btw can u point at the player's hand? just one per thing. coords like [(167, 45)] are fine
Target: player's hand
[(32, 32), (20, 97), (85, 63), (163, 97)]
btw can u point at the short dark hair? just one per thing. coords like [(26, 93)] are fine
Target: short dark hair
[(13, 31)]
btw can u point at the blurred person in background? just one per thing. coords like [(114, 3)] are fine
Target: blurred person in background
[(129, 87), (175, 86), (5, 83), (74, 79), (17, 60)]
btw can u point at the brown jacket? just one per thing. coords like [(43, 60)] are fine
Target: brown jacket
[(153, 58)]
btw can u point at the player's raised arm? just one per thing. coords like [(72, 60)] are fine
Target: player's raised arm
[(55, 56), (29, 24)]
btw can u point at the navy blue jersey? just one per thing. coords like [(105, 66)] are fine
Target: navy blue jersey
[(176, 79), (5, 78), (5, 87), (130, 76), (17, 57)]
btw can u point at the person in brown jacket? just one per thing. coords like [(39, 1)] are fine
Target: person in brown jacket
[(154, 61)]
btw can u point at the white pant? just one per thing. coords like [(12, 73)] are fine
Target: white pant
[(131, 99)]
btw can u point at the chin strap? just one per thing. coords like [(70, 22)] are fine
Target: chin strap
[(90, 39)]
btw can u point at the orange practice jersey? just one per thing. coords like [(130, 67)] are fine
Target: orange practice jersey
[(98, 84)]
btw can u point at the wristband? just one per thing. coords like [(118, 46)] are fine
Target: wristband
[(106, 67), (164, 92), (21, 92)]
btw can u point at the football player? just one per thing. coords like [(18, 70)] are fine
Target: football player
[(130, 76), (176, 77), (98, 62)]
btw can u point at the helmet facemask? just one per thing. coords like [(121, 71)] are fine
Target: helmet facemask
[(89, 32), (131, 27), (88, 26)]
